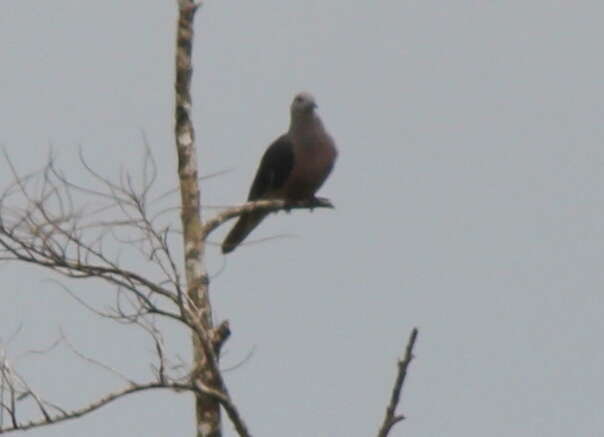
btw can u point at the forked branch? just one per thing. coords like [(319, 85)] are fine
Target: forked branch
[(63, 415)]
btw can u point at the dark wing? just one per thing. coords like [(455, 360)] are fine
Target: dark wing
[(274, 170), (275, 167)]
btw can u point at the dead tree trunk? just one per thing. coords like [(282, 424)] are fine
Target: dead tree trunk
[(197, 299)]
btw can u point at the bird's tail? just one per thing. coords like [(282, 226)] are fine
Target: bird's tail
[(246, 224)]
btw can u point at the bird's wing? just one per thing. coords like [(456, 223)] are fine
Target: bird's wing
[(274, 170), (275, 167)]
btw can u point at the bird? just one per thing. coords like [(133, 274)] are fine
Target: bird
[(292, 168)]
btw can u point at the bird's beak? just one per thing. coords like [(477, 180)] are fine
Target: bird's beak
[(314, 106)]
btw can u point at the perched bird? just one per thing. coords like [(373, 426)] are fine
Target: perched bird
[(293, 167)]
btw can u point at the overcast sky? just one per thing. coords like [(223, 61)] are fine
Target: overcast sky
[(469, 195)]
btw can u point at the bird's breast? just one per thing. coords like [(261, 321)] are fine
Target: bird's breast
[(313, 161)]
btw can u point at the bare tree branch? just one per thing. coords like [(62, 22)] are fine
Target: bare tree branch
[(94, 361), (391, 417), (41, 225), (73, 414), (272, 205), (229, 407)]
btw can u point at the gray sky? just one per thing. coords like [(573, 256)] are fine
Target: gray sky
[(468, 190)]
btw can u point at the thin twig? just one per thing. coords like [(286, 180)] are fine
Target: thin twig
[(95, 362), (391, 417)]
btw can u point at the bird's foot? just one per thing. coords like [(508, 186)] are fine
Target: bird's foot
[(313, 203), (310, 203), (320, 202)]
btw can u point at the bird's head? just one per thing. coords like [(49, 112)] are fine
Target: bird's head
[(304, 103)]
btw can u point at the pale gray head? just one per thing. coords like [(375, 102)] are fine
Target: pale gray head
[(304, 103)]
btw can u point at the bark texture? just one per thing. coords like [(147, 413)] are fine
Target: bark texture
[(197, 297)]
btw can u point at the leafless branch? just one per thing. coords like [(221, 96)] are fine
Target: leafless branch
[(391, 417), (241, 362), (263, 205), (171, 192), (229, 407), (95, 362), (50, 222), (73, 414), (50, 231)]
